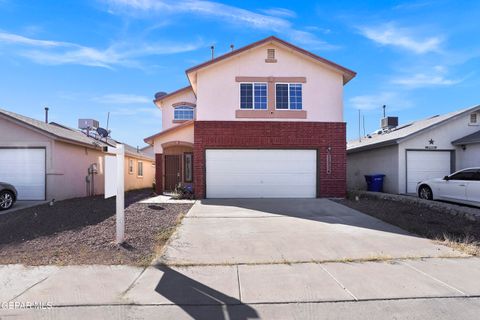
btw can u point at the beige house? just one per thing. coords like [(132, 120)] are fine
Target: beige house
[(47, 161)]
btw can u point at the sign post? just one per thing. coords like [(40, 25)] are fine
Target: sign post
[(114, 186), (120, 151)]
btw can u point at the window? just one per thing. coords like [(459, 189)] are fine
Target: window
[(188, 167), (464, 175), (288, 96), (296, 96), (130, 166), (140, 169), (253, 96), (183, 113)]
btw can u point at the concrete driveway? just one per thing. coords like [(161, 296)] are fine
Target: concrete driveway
[(256, 231)]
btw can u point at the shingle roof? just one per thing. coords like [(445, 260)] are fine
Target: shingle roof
[(403, 132), (58, 131), (64, 133), (471, 138)]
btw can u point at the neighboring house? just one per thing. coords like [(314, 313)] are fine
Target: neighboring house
[(47, 161), (265, 120), (428, 148)]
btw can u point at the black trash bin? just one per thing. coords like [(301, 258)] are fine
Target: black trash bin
[(374, 182)]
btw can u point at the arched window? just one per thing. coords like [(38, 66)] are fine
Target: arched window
[(183, 113)]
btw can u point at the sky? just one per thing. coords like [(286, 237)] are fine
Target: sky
[(84, 59)]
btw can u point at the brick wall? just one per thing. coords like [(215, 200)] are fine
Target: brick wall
[(159, 173), (287, 135)]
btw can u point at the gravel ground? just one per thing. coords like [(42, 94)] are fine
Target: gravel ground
[(428, 222), (82, 231)]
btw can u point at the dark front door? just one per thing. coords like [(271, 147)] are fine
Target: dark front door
[(172, 171)]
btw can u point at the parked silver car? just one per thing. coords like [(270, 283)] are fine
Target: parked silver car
[(8, 195), (462, 186)]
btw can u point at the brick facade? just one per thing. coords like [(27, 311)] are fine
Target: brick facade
[(281, 135), (159, 173)]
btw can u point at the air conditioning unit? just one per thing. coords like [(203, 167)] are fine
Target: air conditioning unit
[(88, 124), (389, 122)]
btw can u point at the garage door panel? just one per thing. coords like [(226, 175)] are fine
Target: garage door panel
[(423, 165), (25, 169), (261, 173)]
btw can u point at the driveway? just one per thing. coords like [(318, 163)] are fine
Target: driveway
[(266, 231)]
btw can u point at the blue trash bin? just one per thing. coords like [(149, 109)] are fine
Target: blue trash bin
[(374, 182)]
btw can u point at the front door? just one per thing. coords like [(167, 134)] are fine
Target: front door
[(172, 172)]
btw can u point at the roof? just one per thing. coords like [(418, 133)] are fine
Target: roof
[(169, 130), (469, 139), (404, 132), (54, 130), (64, 133), (347, 73), (168, 95)]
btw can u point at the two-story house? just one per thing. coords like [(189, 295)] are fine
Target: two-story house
[(265, 120)]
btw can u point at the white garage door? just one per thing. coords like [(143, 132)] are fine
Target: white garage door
[(422, 165), (261, 173), (25, 169)]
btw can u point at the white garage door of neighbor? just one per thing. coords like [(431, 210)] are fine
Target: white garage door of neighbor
[(261, 173), (25, 170), (422, 165)]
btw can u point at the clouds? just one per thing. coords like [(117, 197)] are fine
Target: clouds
[(125, 54), (437, 76), (272, 19), (389, 34), (394, 100), (121, 98)]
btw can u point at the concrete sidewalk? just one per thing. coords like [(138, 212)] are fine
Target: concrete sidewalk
[(252, 290)]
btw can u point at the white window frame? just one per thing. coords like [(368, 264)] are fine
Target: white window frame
[(183, 106), (253, 95), (131, 166), (288, 91), (139, 163)]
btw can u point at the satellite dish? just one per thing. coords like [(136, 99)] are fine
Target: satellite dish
[(102, 132)]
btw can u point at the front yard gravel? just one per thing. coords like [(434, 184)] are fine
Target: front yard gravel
[(82, 231)]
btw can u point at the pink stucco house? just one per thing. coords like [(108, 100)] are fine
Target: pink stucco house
[(46, 161), (265, 120)]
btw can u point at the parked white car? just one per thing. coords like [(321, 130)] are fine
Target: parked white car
[(462, 186)]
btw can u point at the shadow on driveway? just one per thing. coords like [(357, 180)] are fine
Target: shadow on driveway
[(203, 302), (317, 209)]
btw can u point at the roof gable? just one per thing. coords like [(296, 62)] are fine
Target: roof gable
[(347, 74)]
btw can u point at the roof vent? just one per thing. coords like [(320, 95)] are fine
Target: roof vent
[(271, 56), (160, 94), (389, 123)]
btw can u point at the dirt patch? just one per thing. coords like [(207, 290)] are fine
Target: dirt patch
[(432, 223), (82, 231)]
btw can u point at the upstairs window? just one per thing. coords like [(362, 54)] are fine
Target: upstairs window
[(183, 113), (253, 96), (288, 96)]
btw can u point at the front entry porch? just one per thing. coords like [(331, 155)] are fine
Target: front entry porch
[(177, 165)]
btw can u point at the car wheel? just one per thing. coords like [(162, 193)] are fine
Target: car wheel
[(6, 200), (425, 193)]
